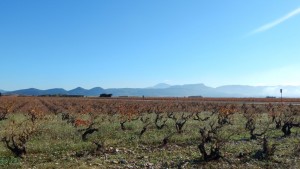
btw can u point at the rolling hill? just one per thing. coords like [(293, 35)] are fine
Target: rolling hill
[(165, 90)]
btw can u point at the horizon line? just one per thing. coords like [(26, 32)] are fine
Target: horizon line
[(153, 87)]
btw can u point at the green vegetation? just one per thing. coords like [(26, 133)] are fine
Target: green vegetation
[(213, 136)]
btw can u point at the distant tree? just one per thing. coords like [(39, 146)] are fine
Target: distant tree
[(105, 95), (0, 94)]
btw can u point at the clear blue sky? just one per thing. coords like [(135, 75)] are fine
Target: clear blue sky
[(139, 43)]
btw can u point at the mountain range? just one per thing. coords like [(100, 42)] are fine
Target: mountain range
[(166, 90)]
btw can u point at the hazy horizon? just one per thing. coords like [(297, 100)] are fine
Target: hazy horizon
[(137, 44), (151, 86)]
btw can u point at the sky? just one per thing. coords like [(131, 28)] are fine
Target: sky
[(139, 43)]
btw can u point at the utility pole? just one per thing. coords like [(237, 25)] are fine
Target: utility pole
[(281, 94)]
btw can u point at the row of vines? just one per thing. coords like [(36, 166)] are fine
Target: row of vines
[(216, 123)]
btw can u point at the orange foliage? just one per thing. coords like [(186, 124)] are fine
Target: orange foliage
[(80, 122)]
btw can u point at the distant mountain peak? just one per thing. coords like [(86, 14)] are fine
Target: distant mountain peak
[(161, 86), (96, 88), (79, 88)]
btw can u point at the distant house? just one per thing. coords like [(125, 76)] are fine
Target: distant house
[(105, 95), (270, 97), (195, 97)]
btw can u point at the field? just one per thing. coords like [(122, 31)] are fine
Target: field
[(50, 132)]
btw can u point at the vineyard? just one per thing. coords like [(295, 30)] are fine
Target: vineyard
[(48, 132)]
